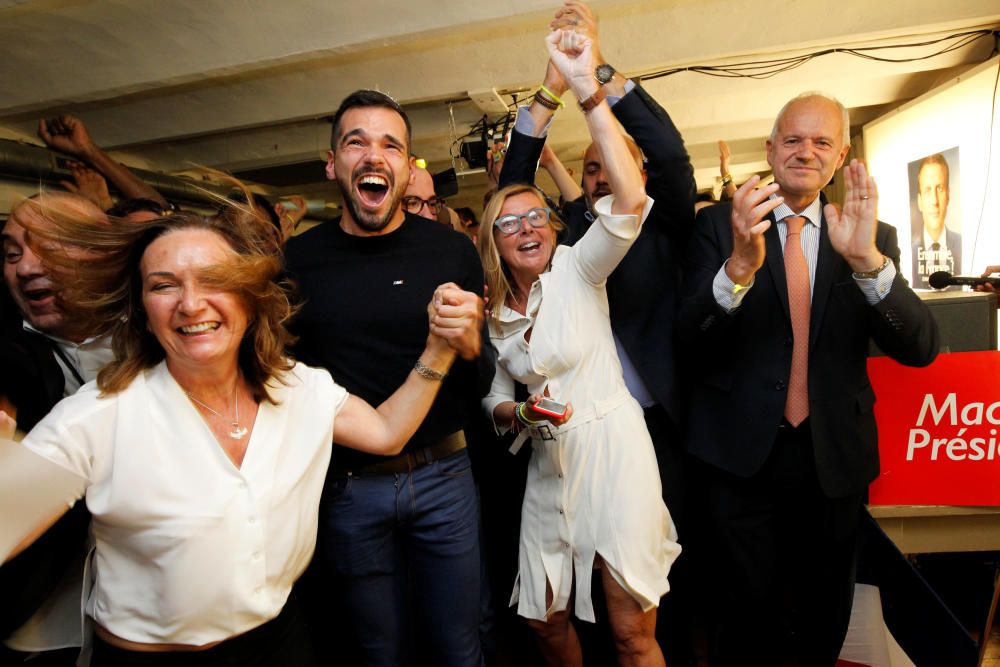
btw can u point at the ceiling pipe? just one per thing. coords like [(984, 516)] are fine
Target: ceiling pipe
[(35, 164)]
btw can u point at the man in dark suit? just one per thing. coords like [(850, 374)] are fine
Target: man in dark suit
[(642, 291), (781, 405)]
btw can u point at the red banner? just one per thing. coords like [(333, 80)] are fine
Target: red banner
[(938, 430)]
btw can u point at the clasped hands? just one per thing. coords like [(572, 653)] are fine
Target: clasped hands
[(455, 317), (573, 50), (851, 229)]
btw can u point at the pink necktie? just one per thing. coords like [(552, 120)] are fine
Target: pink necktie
[(797, 275)]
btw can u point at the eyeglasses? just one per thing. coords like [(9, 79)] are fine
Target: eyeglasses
[(413, 204), (512, 224)]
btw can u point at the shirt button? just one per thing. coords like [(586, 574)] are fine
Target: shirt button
[(560, 511), (252, 520), (258, 590), (779, 385), (560, 475), (255, 555)]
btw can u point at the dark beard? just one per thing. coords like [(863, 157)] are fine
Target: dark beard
[(591, 200), (369, 221)]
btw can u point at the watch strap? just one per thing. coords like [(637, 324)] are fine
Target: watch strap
[(592, 101)]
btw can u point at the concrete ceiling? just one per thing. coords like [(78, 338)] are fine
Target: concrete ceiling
[(248, 84)]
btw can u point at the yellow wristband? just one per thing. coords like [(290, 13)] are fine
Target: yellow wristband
[(555, 98)]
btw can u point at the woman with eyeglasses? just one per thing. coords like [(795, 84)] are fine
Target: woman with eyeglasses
[(593, 493)]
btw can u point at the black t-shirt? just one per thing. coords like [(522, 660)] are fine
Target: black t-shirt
[(364, 315)]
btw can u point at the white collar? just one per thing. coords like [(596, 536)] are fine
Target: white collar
[(813, 212), (942, 240), (65, 343)]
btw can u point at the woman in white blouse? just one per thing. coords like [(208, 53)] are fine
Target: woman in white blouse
[(593, 493), (204, 448)]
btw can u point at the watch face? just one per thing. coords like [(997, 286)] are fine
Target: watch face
[(604, 73)]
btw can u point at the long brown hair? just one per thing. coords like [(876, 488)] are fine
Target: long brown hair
[(104, 289), (497, 273)]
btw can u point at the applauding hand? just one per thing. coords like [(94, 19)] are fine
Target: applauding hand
[(750, 206), (852, 232)]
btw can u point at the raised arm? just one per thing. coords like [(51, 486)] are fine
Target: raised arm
[(528, 136), (573, 55), (89, 184), (568, 188), (728, 186), (69, 135)]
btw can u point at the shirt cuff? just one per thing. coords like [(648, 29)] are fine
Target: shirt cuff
[(489, 403), (621, 225), (722, 289), (525, 123), (613, 99), (877, 288)]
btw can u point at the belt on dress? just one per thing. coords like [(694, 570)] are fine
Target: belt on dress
[(595, 410), (408, 461)]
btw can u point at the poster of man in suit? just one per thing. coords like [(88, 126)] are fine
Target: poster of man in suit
[(936, 238)]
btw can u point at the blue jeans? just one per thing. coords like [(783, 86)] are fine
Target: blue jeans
[(384, 535)]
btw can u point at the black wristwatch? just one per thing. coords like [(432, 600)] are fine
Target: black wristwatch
[(604, 73)]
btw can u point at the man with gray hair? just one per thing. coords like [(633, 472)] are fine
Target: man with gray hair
[(782, 294)]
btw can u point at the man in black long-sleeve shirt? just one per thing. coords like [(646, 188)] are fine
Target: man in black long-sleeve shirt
[(366, 282)]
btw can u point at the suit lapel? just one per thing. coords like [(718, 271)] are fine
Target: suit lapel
[(825, 260), (775, 260)]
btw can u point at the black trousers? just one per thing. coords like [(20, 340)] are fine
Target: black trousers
[(674, 618), (281, 642), (786, 560)]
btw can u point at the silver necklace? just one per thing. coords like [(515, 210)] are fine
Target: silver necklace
[(237, 432)]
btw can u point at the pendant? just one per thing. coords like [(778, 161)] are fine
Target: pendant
[(238, 431)]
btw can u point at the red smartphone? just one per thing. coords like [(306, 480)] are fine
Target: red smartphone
[(547, 406)]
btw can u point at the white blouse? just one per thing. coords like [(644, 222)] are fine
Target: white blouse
[(191, 549)]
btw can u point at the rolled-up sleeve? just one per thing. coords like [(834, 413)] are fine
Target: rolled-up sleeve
[(502, 390)]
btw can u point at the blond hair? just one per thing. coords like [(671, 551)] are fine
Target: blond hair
[(496, 271)]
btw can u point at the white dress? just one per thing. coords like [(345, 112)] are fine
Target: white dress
[(191, 549), (594, 489)]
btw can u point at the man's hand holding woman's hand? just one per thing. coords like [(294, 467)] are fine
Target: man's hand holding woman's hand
[(455, 317)]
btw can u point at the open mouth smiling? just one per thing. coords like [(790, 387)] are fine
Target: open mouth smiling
[(372, 189), (195, 329), (38, 295)]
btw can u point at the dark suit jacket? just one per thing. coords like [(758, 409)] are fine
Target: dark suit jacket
[(32, 378), (743, 359), (643, 290)]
